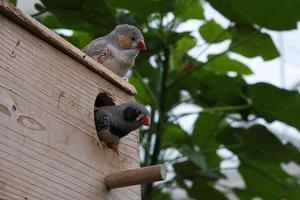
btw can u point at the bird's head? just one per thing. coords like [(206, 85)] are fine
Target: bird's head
[(136, 113), (129, 37)]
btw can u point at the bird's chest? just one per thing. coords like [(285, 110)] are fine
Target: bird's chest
[(108, 137), (119, 63)]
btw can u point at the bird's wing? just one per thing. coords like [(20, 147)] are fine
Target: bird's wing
[(95, 46), (102, 121), (98, 50)]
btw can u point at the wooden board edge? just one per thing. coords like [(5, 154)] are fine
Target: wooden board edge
[(27, 22)]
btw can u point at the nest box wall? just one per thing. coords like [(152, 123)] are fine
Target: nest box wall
[(48, 144)]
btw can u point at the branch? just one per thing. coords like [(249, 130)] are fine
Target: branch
[(226, 108), (249, 163), (176, 117), (163, 93), (149, 138), (162, 113), (215, 109)]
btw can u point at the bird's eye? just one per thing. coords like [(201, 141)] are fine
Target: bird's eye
[(133, 39), (139, 112)]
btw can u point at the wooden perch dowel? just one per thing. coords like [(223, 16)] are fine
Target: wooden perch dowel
[(135, 176)]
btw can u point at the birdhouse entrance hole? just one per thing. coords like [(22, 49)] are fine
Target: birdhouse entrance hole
[(103, 99)]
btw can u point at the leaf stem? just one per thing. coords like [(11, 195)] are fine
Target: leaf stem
[(215, 109), (161, 106), (226, 108), (215, 40)]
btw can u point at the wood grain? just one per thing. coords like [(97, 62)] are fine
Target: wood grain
[(135, 176), (48, 144), (27, 22)]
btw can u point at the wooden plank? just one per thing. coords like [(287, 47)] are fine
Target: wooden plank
[(47, 132), (27, 22)]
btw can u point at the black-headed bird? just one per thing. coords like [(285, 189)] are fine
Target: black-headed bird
[(115, 122)]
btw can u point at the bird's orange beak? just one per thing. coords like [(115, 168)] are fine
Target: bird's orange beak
[(141, 45), (145, 120)]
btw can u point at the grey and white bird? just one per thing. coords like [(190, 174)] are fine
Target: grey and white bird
[(117, 50), (115, 122)]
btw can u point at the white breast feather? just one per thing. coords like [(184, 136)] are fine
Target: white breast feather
[(119, 63)]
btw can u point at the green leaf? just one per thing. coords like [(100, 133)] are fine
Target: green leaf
[(90, 16), (271, 14), (204, 191), (260, 183), (258, 144), (51, 21), (144, 78), (159, 195), (180, 51), (196, 157), (220, 90), (185, 43), (143, 8), (79, 38), (189, 9), (204, 129), (173, 37), (273, 103), (203, 182), (173, 136), (142, 95), (250, 42), (223, 64), (39, 7), (261, 155), (212, 32), (14, 2), (204, 134), (186, 170), (204, 86)]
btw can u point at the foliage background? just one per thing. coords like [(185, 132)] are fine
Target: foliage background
[(167, 76)]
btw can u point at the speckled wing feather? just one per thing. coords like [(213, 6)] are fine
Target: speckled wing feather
[(98, 50), (102, 121), (103, 55)]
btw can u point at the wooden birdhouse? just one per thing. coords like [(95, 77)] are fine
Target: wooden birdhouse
[(48, 144)]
